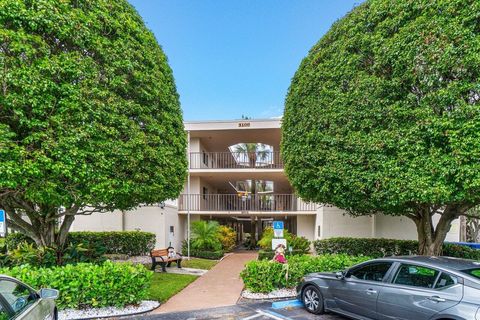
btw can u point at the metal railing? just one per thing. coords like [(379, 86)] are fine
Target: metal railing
[(235, 160), (234, 202)]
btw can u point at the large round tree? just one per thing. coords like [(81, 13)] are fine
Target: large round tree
[(383, 115), (89, 114)]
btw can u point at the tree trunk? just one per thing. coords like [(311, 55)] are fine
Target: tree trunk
[(430, 237)]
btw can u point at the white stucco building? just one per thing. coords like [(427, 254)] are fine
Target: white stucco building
[(227, 158)]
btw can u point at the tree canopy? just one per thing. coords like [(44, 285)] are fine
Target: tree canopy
[(90, 118), (384, 113)]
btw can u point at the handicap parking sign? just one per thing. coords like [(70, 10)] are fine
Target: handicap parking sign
[(277, 225)]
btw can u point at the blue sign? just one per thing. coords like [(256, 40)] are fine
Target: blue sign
[(277, 225), (2, 223)]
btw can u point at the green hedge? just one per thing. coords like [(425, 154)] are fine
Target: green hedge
[(13, 240), (133, 243), (269, 254), (265, 276), (213, 255), (385, 247), (89, 285)]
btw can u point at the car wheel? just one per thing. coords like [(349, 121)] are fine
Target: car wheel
[(312, 300)]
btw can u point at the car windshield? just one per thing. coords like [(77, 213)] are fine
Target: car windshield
[(473, 272)]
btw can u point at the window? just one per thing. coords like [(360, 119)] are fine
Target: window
[(3, 314), (473, 272), (18, 296), (416, 276), (370, 272), (446, 280)]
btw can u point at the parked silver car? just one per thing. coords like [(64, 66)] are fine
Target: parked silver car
[(410, 288), (20, 301)]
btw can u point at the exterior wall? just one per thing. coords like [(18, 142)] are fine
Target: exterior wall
[(334, 223), (306, 226), (150, 219), (394, 227), (110, 221), (337, 224), (194, 145)]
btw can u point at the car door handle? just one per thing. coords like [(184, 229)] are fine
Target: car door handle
[(371, 291), (437, 299)]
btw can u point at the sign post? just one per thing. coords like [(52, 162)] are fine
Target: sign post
[(278, 235), (278, 229), (3, 223)]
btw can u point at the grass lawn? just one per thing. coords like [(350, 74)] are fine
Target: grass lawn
[(198, 263), (165, 285)]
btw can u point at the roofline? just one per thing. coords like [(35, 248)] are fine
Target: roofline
[(232, 120)]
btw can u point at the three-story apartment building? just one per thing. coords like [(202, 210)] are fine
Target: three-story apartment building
[(236, 177)]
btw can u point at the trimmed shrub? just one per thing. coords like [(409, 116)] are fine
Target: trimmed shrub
[(266, 276), (227, 237), (132, 243), (12, 240), (297, 243), (213, 255), (386, 247), (89, 285), (269, 254)]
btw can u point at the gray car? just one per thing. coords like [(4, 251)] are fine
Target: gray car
[(413, 288), (20, 301)]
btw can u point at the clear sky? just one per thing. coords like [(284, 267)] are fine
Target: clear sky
[(237, 57)]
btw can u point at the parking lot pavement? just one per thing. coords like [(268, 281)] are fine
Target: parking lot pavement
[(243, 311)]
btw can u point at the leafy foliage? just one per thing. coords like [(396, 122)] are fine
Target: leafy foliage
[(205, 254), (378, 248), (90, 116), (297, 243), (89, 285), (132, 243), (205, 236), (227, 237), (265, 276), (383, 115), (269, 254)]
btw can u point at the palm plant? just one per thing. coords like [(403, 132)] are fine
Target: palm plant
[(205, 235)]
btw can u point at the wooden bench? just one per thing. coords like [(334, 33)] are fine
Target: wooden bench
[(160, 256)]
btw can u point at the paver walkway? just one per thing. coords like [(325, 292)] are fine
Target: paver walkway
[(221, 286)]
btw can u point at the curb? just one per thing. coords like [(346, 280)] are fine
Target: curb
[(119, 315)]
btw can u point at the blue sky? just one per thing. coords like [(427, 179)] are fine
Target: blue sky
[(237, 57)]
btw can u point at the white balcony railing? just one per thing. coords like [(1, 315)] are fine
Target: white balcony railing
[(233, 202)]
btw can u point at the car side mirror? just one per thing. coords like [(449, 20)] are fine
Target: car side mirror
[(48, 293), (339, 275)]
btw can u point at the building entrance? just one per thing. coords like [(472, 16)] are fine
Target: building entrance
[(249, 229)]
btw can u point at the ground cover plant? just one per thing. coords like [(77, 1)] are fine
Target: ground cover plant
[(199, 263), (265, 276), (165, 285)]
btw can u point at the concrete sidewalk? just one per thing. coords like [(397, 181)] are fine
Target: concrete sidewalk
[(221, 286)]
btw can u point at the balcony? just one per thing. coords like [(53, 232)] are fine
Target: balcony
[(233, 202), (236, 160)]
